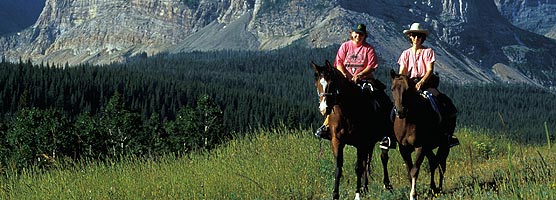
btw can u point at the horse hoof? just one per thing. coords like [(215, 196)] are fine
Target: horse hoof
[(357, 196), (388, 187), (436, 192)]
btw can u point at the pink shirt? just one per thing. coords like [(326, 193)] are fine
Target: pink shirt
[(356, 58), (416, 64)]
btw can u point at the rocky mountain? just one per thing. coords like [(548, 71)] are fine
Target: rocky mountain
[(535, 16), (474, 40)]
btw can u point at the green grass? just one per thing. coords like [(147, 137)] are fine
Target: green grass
[(284, 164)]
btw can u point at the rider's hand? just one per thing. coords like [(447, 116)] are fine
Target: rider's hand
[(418, 85), (355, 79)]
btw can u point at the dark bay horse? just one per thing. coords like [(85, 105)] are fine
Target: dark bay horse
[(352, 121), (417, 128)]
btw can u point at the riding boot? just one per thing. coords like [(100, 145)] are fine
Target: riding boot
[(453, 141), (322, 132), (448, 111), (385, 110)]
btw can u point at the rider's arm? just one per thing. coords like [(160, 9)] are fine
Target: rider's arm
[(371, 64), (339, 62), (428, 72), (429, 59), (403, 61), (366, 72), (403, 70), (342, 69)]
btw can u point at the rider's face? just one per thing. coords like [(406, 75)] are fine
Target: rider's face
[(357, 37), (416, 39)]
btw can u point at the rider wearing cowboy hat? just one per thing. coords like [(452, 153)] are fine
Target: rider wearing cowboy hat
[(418, 63), (356, 60)]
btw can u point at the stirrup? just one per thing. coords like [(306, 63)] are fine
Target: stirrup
[(453, 141), (385, 143), (320, 131)]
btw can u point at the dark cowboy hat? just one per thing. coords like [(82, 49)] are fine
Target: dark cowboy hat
[(360, 28)]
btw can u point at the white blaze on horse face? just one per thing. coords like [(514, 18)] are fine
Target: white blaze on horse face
[(322, 105), (323, 83)]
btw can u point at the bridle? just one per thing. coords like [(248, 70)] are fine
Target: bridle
[(326, 93), (327, 80), (400, 109)]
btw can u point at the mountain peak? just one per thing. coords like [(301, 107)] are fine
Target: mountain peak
[(471, 37)]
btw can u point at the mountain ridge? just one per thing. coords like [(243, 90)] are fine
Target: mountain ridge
[(473, 40)]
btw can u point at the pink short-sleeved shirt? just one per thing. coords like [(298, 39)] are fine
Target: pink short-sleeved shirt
[(356, 58), (416, 64)]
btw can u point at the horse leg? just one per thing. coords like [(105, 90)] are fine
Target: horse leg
[(360, 167), (406, 156), (442, 156), (414, 173), (386, 179), (367, 172), (338, 150), (433, 164)]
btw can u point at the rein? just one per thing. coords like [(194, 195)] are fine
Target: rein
[(335, 90), (403, 111), (325, 94)]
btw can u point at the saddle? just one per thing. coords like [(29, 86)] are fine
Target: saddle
[(371, 85), (374, 90), (440, 103)]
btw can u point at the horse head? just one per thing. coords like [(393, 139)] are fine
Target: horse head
[(327, 89), (401, 87)]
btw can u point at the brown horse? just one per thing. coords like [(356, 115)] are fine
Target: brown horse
[(353, 120), (417, 128)]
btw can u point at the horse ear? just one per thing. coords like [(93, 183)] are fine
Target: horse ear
[(315, 67), (393, 74), (328, 65)]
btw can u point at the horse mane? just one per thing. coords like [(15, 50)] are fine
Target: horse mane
[(405, 78), (343, 82), (412, 100)]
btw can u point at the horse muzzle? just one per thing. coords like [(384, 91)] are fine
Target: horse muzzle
[(323, 107), (400, 113)]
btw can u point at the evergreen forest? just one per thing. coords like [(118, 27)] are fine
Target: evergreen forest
[(179, 103)]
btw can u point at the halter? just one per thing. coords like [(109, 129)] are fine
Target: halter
[(329, 93), (325, 94), (402, 111)]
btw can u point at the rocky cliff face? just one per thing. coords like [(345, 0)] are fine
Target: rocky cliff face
[(534, 16), (474, 42), (101, 31)]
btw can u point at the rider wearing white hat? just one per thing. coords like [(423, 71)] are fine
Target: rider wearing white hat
[(418, 63)]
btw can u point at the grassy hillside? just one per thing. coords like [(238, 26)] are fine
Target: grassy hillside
[(288, 164)]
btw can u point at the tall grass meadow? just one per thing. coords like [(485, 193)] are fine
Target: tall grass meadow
[(287, 163)]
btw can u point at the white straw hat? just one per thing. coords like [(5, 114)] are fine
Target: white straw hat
[(416, 28)]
